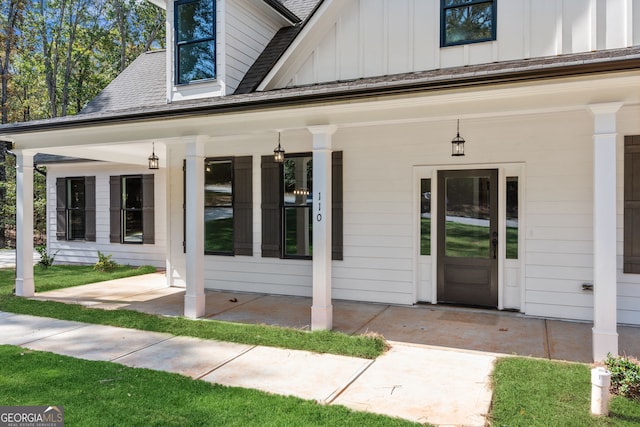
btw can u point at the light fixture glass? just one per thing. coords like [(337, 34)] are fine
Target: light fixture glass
[(154, 161), (457, 143), (278, 153)]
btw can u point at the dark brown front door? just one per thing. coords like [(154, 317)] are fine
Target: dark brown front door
[(468, 237)]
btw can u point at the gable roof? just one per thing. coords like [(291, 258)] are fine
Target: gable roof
[(277, 46)]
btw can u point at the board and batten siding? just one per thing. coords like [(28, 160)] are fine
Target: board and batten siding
[(83, 252), (372, 38)]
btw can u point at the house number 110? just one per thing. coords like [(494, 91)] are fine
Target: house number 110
[(319, 216)]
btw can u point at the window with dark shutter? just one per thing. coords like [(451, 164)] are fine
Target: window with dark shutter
[(61, 208), (131, 209), (632, 204), (243, 205), (76, 208), (336, 210), (272, 207)]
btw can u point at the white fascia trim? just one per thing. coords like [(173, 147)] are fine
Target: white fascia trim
[(326, 5)]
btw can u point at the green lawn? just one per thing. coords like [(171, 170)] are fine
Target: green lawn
[(64, 276), (532, 392), (107, 394)]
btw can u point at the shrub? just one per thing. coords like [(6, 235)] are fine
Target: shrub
[(46, 260), (625, 376), (105, 264)]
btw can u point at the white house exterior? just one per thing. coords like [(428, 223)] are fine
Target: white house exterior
[(538, 216)]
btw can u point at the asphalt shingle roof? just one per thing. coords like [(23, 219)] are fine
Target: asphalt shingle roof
[(143, 83)]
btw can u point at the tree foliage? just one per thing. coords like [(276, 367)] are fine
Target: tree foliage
[(57, 55)]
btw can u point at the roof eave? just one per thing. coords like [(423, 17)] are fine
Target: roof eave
[(341, 94)]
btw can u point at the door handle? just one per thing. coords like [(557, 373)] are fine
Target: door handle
[(494, 245)]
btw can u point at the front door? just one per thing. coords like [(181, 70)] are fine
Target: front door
[(468, 237)]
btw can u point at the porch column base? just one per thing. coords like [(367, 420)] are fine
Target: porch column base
[(194, 306), (25, 287), (321, 318), (603, 344)]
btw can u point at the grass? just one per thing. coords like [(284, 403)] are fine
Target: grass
[(108, 394), (61, 276), (530, 392)]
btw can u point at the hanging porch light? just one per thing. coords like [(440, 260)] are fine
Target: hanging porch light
[(154, 161), (457, 143), (278, 153)]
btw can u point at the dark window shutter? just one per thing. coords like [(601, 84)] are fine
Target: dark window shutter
[(336, 202), (61, 208), (243, 205), (114, 209), (90, 208), (148, 204), (632, 204), (271, 200)]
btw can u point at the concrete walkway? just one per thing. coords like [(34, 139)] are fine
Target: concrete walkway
[(8, 258), (437, 371), (418, 383)]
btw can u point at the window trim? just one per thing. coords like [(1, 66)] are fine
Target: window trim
[(62, 216), (124, 210), (69, 210), (233, 203), (443, 31), (242, 204), (177, 44), (116, 223), (272, 181)]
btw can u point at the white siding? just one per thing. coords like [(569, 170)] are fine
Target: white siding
[(81, 252), (381, 37), (248, 31)]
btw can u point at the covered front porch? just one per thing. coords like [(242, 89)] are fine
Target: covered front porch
[(440, 326)]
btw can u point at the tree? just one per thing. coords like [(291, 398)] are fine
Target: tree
[(57, 55)]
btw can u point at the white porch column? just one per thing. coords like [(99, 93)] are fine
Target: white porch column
[(321, 308), (194, 297), (605, 334), (24, 224)]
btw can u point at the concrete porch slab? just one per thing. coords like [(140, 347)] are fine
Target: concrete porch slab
[(465, 329), (97, 342), (425, 385), (307, 375), (294, 312), (629, 341), (188, 356), (570, 341), (18, 329)]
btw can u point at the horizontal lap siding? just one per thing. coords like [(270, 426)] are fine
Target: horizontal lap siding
[(247, 34), (559, 221), (83, 252)]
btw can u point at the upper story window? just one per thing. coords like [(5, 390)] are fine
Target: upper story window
[(467, 21), (195, 48)]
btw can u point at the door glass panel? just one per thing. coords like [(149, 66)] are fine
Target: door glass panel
[(512, 218), (425, 217), (467, 211)]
